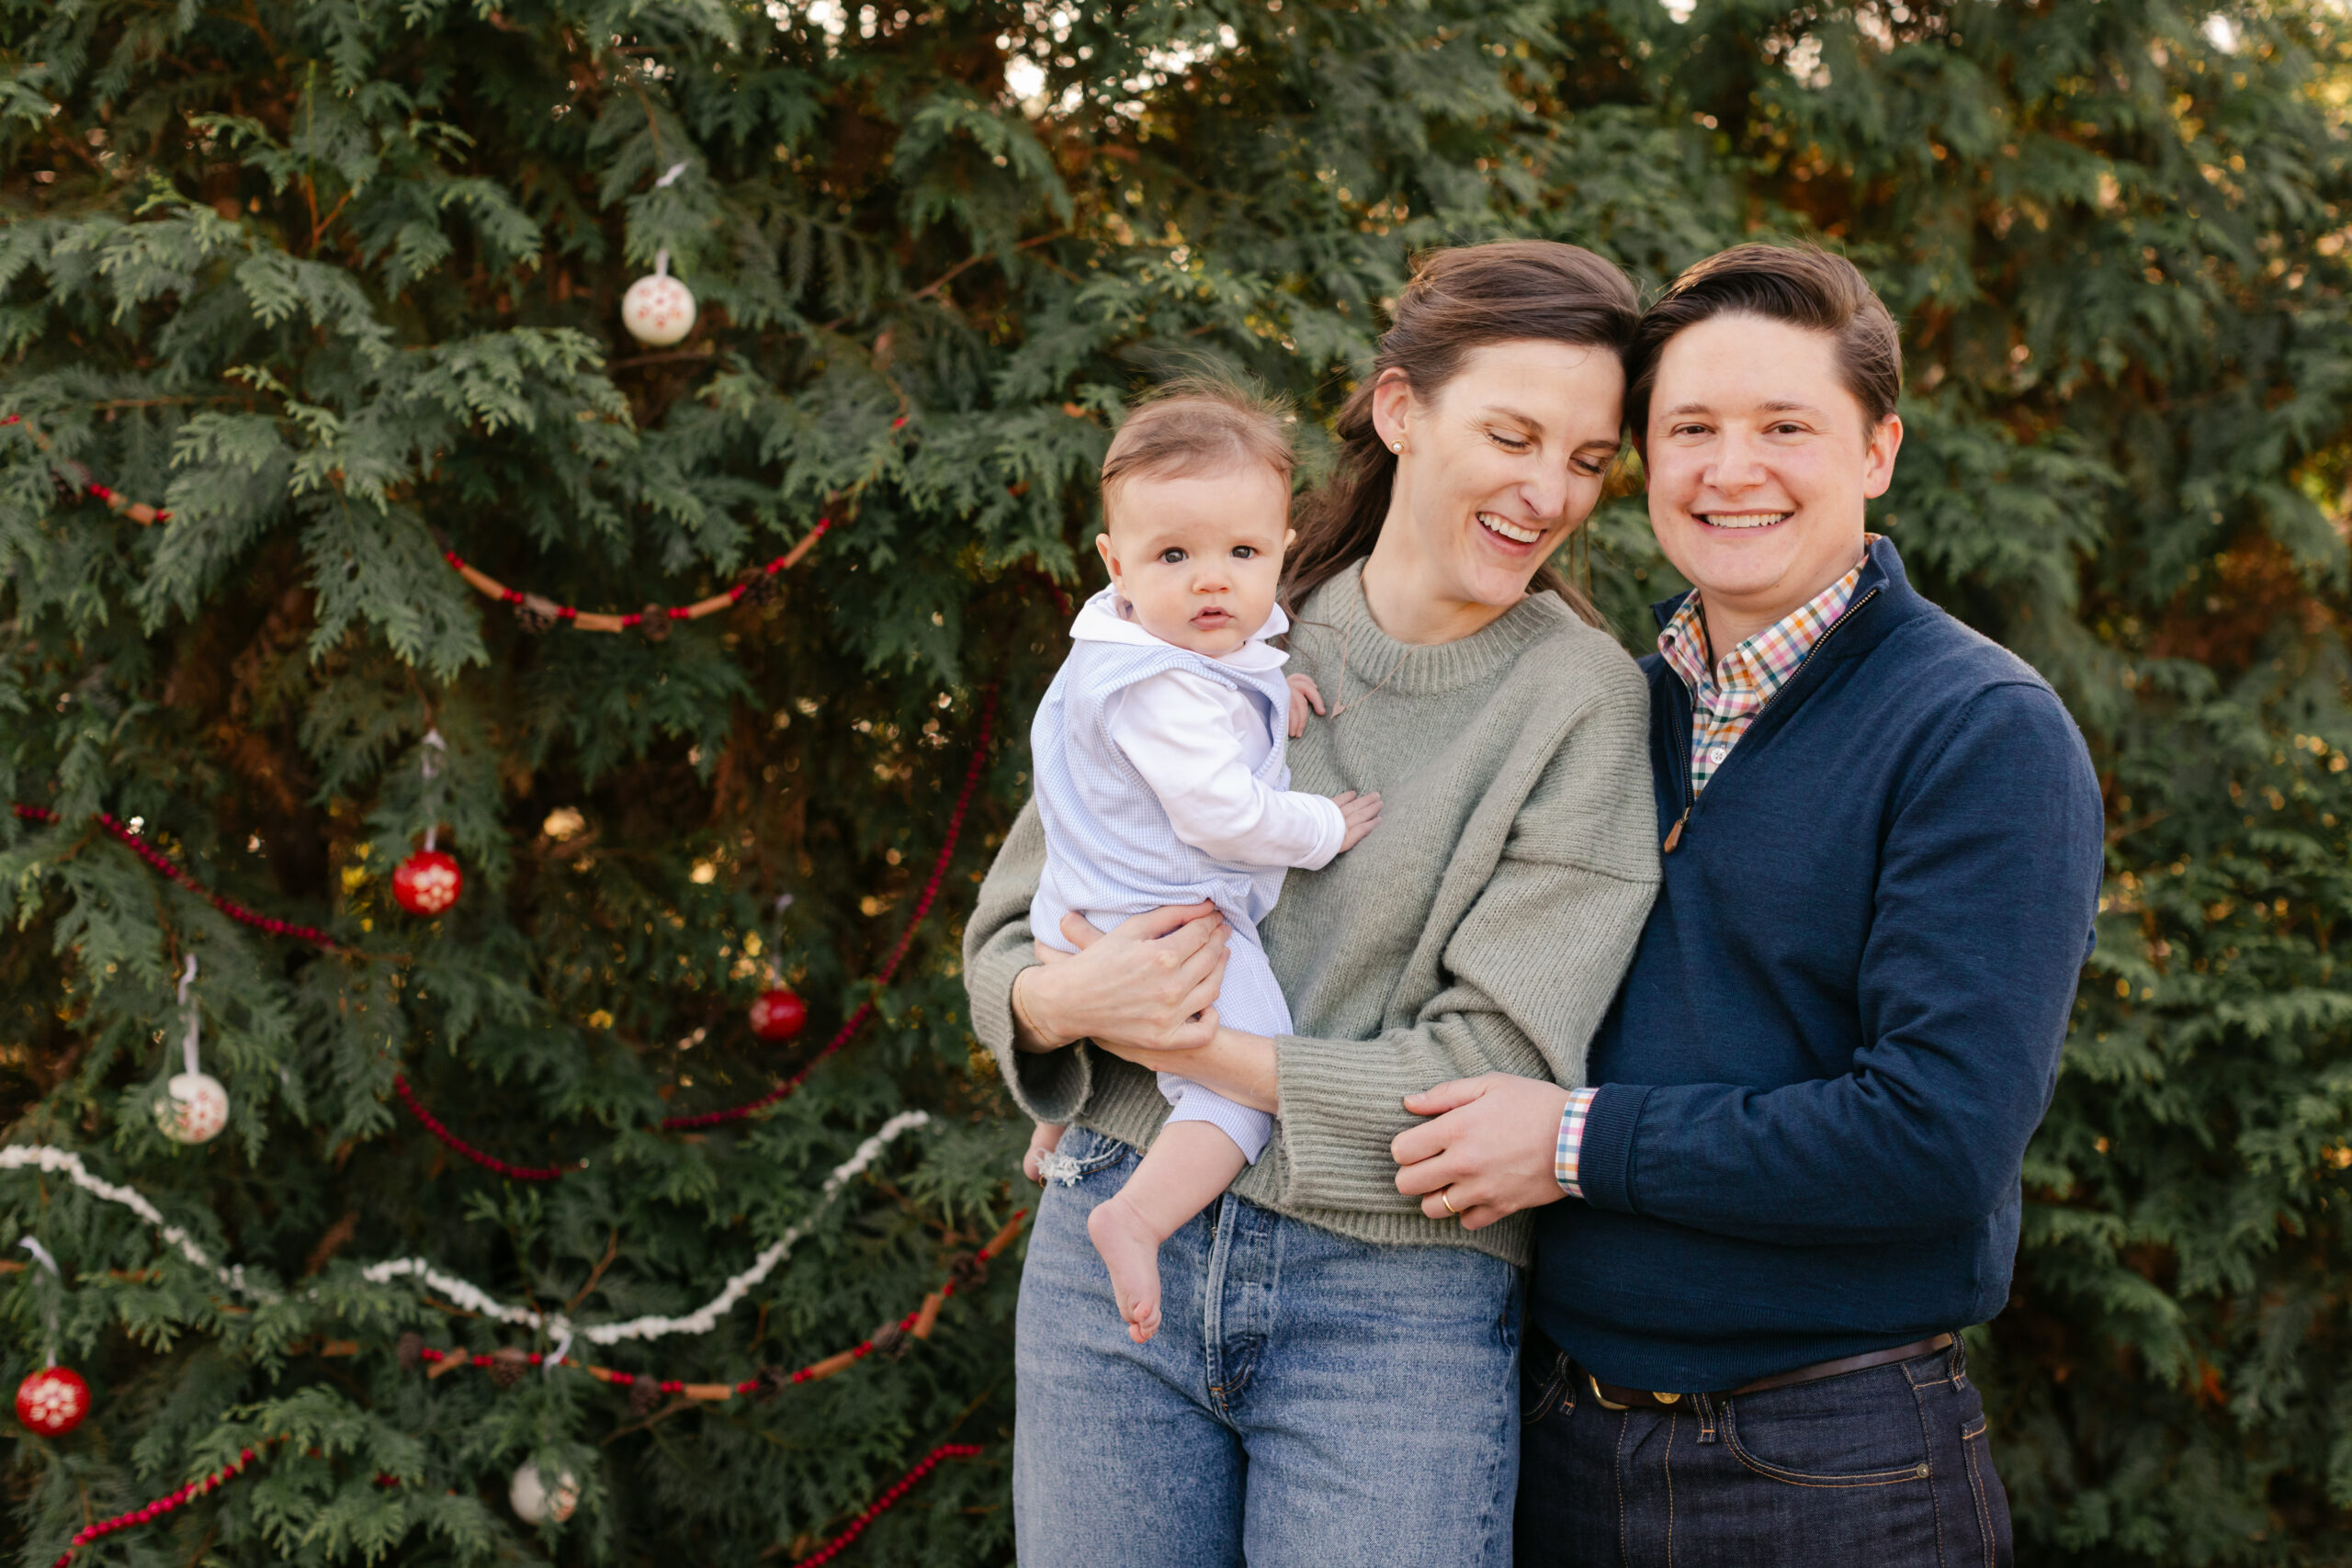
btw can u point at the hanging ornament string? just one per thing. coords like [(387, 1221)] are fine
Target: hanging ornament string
[(161, 866), (842, 1037), (507, 1365), (139, 512), (195, 1106), (539, 613), (47, 1261)]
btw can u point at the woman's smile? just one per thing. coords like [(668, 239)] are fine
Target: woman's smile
[(1511, 533)]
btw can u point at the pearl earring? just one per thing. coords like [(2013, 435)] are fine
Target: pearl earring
[(1397, 447)]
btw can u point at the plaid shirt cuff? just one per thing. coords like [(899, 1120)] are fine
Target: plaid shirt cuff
[(1571, 1144)]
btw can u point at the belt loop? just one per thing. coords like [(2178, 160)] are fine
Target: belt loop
[(1959, 1363), (1706, 1417)]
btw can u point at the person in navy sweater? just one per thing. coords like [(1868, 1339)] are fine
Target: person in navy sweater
[(1794, 1174)]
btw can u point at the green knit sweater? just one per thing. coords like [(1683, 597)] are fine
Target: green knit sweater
[(1482, 926)]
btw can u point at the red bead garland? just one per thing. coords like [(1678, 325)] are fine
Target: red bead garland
[(162, 1506), (882, 1505), (491, 1163), (842, 1037), (589, 620), (856, 1021), (139, 512), (162, 867)]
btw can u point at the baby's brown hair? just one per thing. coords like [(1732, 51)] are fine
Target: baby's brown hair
[(1194, 426)]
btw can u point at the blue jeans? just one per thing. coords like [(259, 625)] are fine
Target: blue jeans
[(1884, 1468), (1309, 1400)]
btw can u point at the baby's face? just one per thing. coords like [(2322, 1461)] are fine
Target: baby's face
[(1198, 555)]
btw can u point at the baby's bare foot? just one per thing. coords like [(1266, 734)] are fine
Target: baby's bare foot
[(1132, 1252)]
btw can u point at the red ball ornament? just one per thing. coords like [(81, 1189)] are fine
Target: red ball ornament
[(427, 882), (52, 1402), (778, 1014)]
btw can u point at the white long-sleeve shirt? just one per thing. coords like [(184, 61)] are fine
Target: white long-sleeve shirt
[(1199, 744)]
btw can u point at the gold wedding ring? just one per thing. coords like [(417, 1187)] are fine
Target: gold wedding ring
[(1448, 1202)]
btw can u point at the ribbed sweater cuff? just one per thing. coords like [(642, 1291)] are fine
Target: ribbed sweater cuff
[(1605, 1169), (1048, 1085), (1341, 1108)]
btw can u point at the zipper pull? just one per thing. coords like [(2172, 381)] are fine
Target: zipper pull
[(1674, 834)]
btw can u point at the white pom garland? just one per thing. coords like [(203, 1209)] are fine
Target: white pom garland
[(467, 1295)]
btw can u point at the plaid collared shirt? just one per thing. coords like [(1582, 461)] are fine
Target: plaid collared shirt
[(1724, 701)]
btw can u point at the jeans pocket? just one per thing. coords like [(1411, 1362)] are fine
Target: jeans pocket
[(1983, 1488), (1862, 1430), (1540, 1388), (1080, 1153)]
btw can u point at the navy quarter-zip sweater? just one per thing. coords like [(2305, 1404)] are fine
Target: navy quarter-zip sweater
[(1843, 1019)]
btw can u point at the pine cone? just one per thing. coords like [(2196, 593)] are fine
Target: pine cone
[(409, 1346), (655, 624), (507, 1365), (644, 1395), (761, 586), (773, 1381), (969, 1270), (890, 1340), (538, 613)]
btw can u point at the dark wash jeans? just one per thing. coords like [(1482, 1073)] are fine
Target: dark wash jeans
[(1884, 1468)]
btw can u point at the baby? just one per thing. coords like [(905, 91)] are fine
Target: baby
[(1160, 774)]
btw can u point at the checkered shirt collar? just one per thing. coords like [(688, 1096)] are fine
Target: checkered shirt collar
[(1751, 672)]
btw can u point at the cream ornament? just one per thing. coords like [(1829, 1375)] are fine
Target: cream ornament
[(194, 1109), (195, 1106), (658, 311), (532, 1500)]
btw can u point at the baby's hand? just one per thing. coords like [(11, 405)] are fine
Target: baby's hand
[(1361, 813), (1303, 695), (1041, 1144)]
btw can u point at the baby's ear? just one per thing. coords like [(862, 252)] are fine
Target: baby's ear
[(1110, 561), (1290, 538)]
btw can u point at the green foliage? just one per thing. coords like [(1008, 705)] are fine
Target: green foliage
[(324, 278)]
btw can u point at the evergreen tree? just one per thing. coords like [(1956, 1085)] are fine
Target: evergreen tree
[(336, 286)]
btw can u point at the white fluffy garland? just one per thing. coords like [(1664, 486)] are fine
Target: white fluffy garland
[(703, 1318), (55, 1160), (470, 1296)]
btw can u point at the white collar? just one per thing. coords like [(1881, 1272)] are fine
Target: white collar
[(1100, 621)]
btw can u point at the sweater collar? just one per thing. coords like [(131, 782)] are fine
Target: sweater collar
[(1337, 617), (1103, 619)]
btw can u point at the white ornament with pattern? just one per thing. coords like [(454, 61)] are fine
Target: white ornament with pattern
[(658, 311)]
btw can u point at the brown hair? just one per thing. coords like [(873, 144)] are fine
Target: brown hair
[(1193, 427), (1802, 285), (1459, 300)]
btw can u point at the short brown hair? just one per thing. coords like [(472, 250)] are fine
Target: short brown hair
[(1194, 426), (1802, 285), (1460, 298)]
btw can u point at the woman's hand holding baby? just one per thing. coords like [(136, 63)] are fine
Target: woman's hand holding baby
[(1150, 983)]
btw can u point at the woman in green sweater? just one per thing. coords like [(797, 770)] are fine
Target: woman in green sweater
[(1333, 1381)]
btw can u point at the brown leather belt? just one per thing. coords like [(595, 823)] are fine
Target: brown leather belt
[(1615, 1398)]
